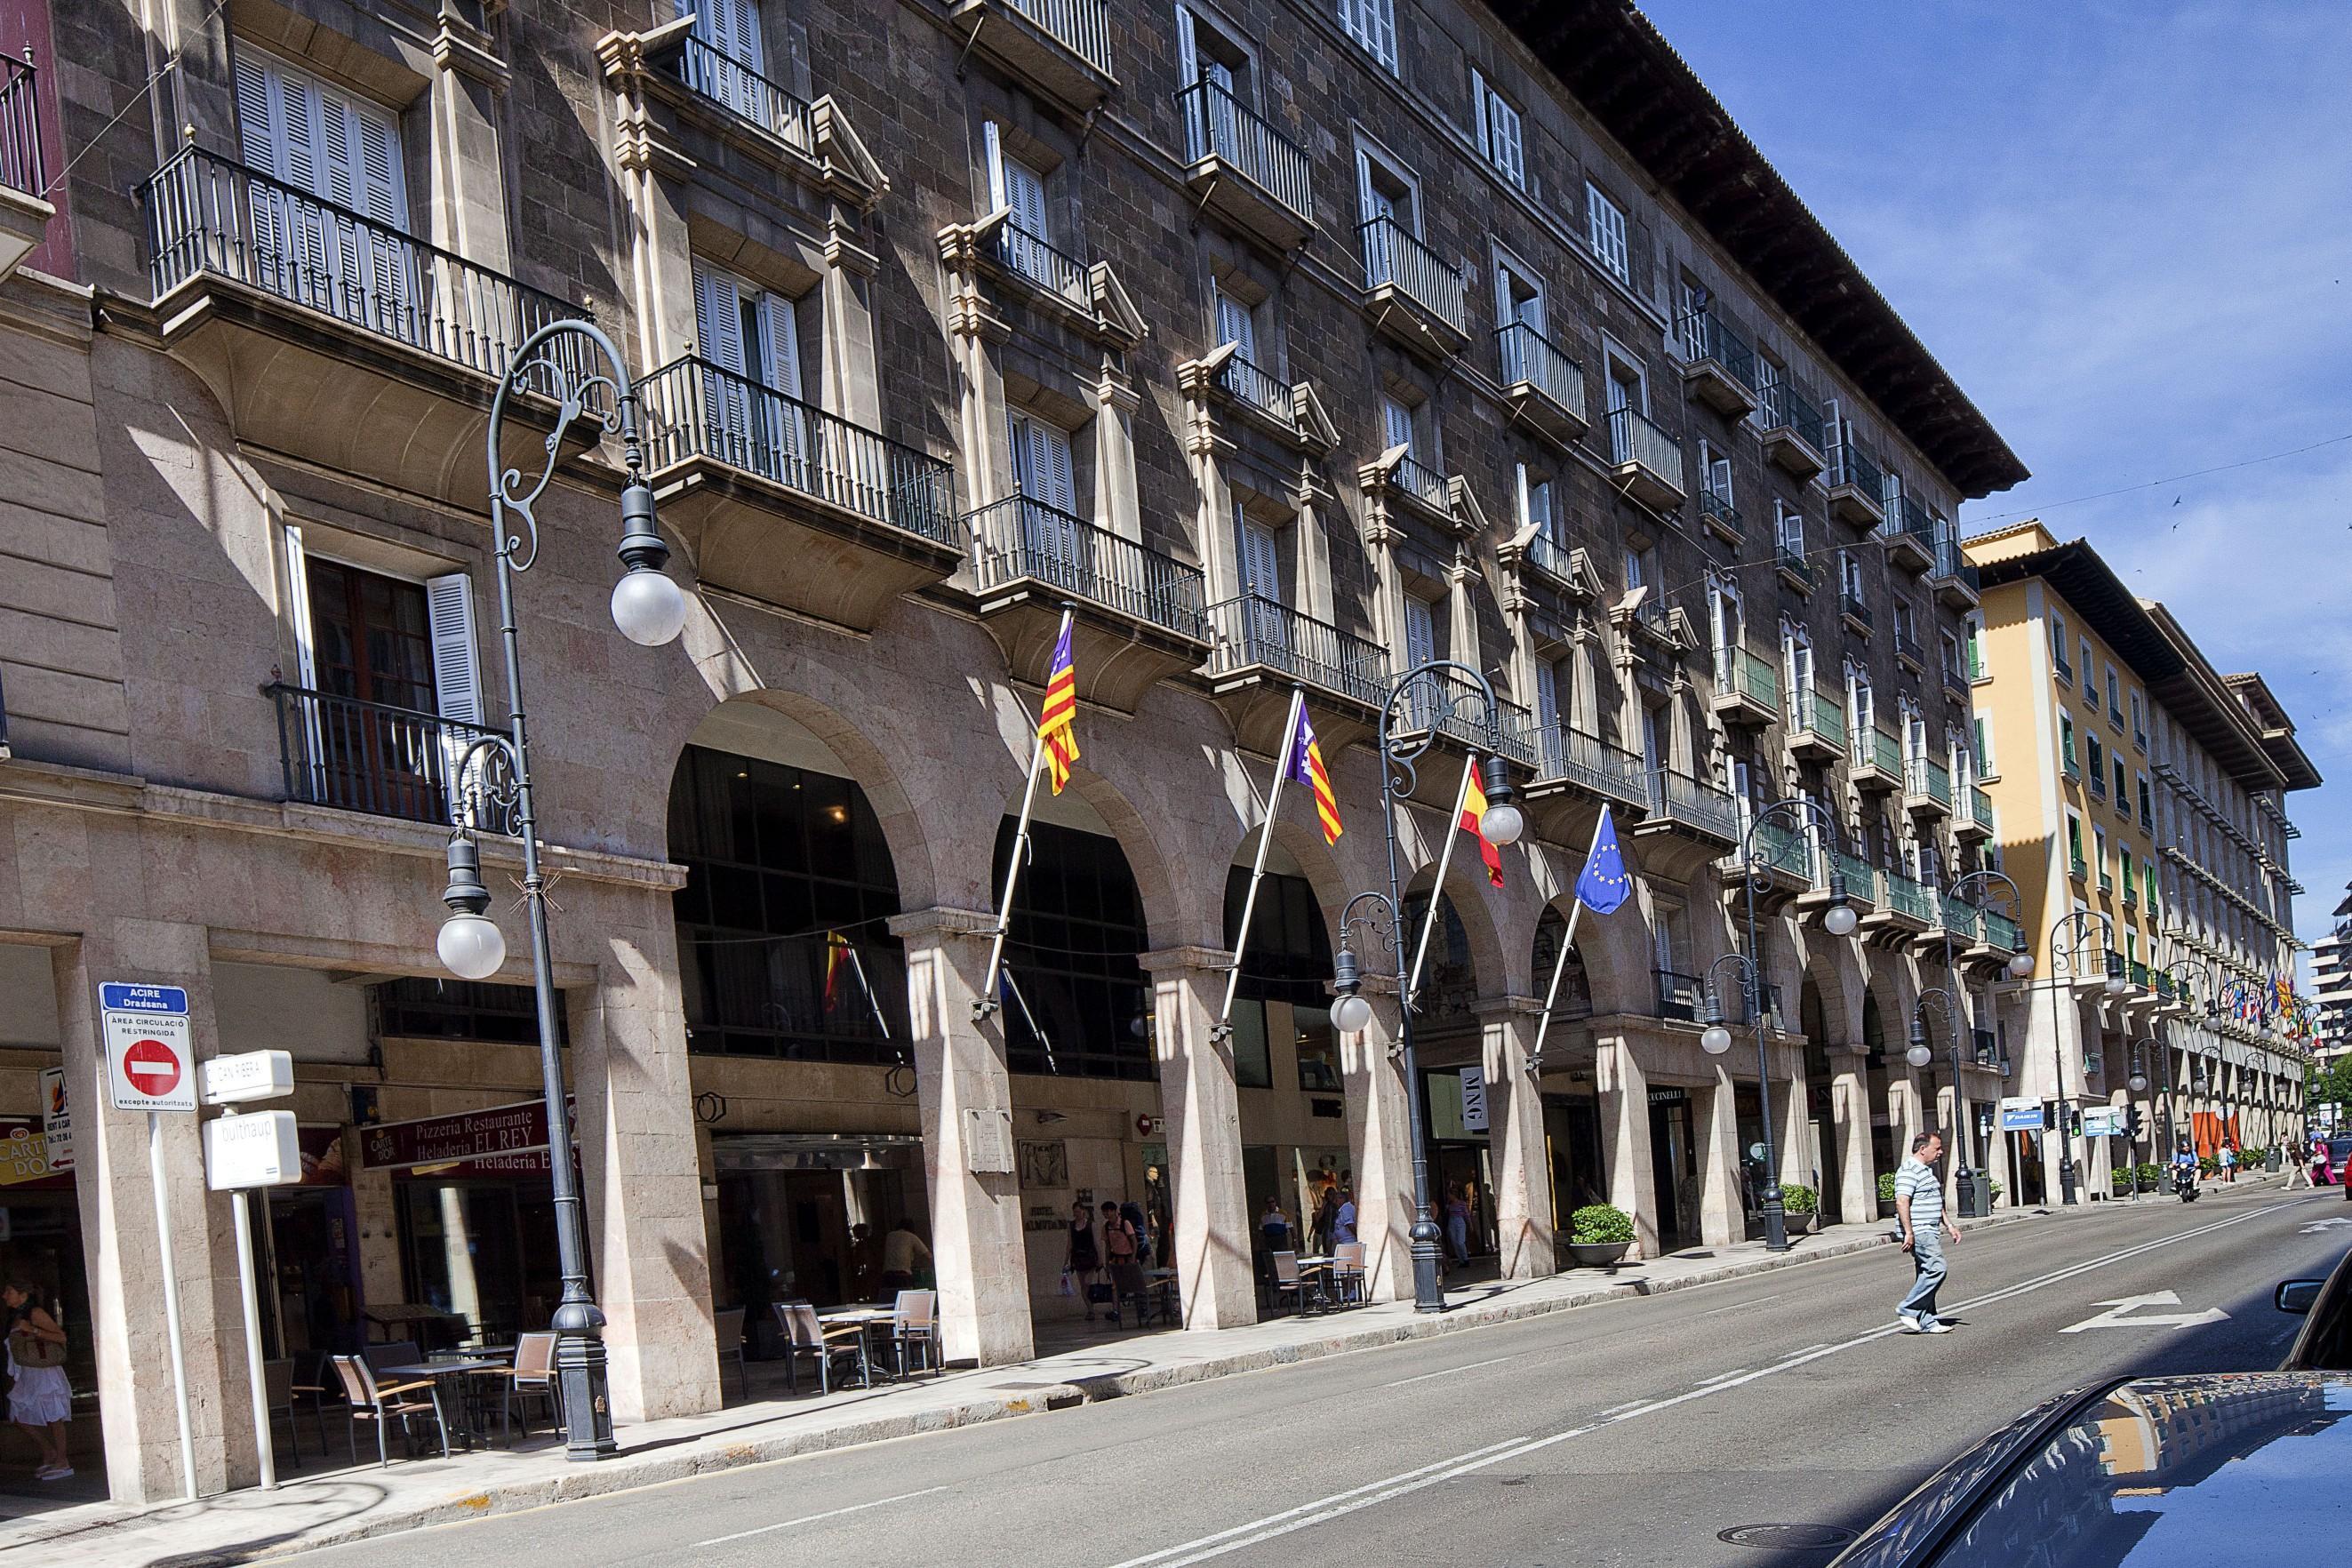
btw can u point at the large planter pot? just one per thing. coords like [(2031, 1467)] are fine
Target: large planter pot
[(1599, 1254), (1800, 1224)]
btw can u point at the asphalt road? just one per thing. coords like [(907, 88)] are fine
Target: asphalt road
[(1631, 1433)]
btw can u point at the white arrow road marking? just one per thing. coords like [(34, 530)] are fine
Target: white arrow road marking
[(2316, 1226), (2116, 1315)]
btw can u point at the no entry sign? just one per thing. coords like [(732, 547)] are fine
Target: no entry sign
[(148, 1060)]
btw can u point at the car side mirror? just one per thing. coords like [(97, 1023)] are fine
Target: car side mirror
[(2297, 1296)]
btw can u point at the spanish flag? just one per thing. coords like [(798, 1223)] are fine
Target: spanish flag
[(1307, 767), (837, 954), (1474, 816), (1057, 720)]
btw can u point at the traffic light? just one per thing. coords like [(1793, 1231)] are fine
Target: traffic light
[(2049, 1116), (2074, 1121), (2132, 1124)]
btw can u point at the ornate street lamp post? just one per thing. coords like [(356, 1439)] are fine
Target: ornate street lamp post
[(493, 777), (1714, 1040), (1433, 701)]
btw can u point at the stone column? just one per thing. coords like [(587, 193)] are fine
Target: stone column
[(1380, 1139), (1722, 1216), (1626, 1149), (965, 1096), (1214, 1266), (113, 1191), (1850, 1119), (851, 387), (643, 1180), (1515, 1139), (1793, 1110), (1118, 505)]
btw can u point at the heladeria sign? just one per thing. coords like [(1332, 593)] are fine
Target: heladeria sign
[(500, 1132)]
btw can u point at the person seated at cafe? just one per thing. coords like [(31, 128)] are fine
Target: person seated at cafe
[(1274, 1227), (1343, 1224), (902, 1250)]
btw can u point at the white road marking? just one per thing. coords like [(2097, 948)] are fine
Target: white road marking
[(1742, 1306), (812, 1518), (1257, 1530), (1803, 1351), (2118, 1314), (1446, 1372), (1724, 1376), (2316, 1226), (1621, 1409)]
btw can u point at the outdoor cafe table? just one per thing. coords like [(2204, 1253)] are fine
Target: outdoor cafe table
[(869, 1319), (462, 1428)]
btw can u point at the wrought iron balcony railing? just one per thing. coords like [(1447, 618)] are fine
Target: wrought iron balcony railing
[(1550, 556), (1871, 747), (1706, 335), (1909, 896), (1531, 359), (1563, 751), (1680, 798), (1021, 536), (1081, 27), (1394, 257), (1850, 464), (1906, 645), (1819, 714), (1253, 630), (1452, 703), (1677, 995), (1716, 508), (1784, 848), (736, 86), (1260, 389), (21, 165), (2002, 932), (210, 214), (353, 755), (1906, 516), (1927, 777), (1792, 559), (1634, 438), (1980, 807), (1055, 271), (1417, 479), (1219, 125), (1950, 562), (1853, 607), (1740, 673), (699, 409), (1960, 918), (1786, 408)]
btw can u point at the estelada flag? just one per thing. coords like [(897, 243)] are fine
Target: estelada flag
[(1473, 817)]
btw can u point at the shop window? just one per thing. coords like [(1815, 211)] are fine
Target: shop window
[(1319, 1048), (1575, 999), (1076, 1005), (1289, 954), (1252, 1062), (783, 951), (462, 1010)]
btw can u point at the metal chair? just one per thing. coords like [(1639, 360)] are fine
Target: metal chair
[(1305, 1290), (278, 1383), (915, 1326), (1347, 1272), (726, 1328), (383, 1403), (394, 1352), (806, 1336), (532, 1376)]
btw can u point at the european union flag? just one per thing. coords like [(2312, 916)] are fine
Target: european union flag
[(1604, 883)]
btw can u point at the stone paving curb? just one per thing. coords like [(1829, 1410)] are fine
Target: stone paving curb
[(710, 1456)]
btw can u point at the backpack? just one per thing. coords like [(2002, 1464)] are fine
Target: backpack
[(1132, 1213)]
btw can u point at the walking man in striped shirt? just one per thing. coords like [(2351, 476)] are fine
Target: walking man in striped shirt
[(1919, 1208)]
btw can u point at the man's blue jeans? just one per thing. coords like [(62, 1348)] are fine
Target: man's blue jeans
[(1927, 1256)]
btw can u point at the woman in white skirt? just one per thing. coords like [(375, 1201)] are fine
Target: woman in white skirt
[(40, 1400)]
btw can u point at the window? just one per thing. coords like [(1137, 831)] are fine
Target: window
[(1499, 135), (2075, 841), (1984, 746), (461, 1010), (1236, 322), (2115, 695), (2099, 849), (1725, 616), (1849, 577), (2066, 741), (1788, 527), (2058, 647), (1953, 673), (1397, 425), (731, 71), (1797, 665), (1020, 187), (2096, 761), (1637, 568), (2089, 688), (1715, 472), (2147, 803), (1420, 631), (1372, 23), (1042, 464), (2139, 721), (750, 349), (1907, 632), (1536, 505), (2122, 788), (1860, 705), (1975, 631), (1604, 230), (1076, 999), (2124, 873), (1262, 571), (296, 130)]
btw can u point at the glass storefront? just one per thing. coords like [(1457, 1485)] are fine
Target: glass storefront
[(804, 1217)]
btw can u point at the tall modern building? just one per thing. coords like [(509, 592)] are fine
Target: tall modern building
[(2140, 798), (1285, 344), (2331, 983)]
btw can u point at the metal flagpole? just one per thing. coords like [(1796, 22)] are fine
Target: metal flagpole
[(1444, 859), (1257, 872), (986, 1002), (864, 985), (1567, 945)]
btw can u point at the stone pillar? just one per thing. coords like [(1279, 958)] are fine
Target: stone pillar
[(1850, 1119), (1214, 1266), (1515, 1139), (1380, 1138), (852, 384), (1314, 501), (643, 1179), (137, 1408), (1795, 1134), (1118, 505), (1626, 1149), (1722, 1216), (965, 1096)]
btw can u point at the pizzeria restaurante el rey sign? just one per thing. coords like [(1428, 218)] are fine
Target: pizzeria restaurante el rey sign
[(499, 1133)]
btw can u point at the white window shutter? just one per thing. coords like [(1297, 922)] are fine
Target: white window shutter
[(1547, 693), (1059, 471), (781, 318), (457, 670), (1188, 65), (1236, 326), (305, 663), (257, 134), (1480, 124), (994, 141), (719, 318), (1398, 421)]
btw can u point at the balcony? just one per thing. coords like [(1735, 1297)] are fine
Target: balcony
[(1685, 807), (2078, 868), (2002, 933), (23, 173), (1854, 610), (1543, 384), (1140, 614), (1785, 855), (1792, 431), (1957, 917), (2106, 880), (1907, 650), (349, 755), (1412, 293), (1718, 367), (1747, 688), (2060, 668), (1260, 392), (1798, 573), (1926, 787), (1719, 516), (1419, 486), (1061, 48), (1909, 534), (2131, 896), (1976, 826), (779, 501), (1877, 765), (1029, 257), (2099, 784), (1956, 579), (1261, 647), (744, 92), (1678, 996), (291, 308), (1564, 757), (1816, 726), (1909, 910), (2071, 768), (1244, 170), (1645, 461), (1452, 704), (1856, 486)]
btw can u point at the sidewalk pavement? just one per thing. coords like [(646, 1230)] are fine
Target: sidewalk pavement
[(366, 1500)]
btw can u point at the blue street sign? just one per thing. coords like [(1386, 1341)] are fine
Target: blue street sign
[(115, 998), (2020, 1119)]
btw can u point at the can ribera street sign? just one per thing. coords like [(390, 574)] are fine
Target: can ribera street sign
[(149, 1062)]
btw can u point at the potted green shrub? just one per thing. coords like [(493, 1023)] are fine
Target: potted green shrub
[(1993, 1188), (1887, 1194), (1599, 1236), (1802, 1207)]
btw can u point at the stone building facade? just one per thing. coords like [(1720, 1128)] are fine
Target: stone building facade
[(1287, 343)]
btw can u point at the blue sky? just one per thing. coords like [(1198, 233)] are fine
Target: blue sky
[(2126, 231)]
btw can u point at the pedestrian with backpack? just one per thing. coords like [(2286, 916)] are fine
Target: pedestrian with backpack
[(1122, 1247)]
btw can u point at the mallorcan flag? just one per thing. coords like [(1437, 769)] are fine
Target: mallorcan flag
[(1057, 720), (1307, 767)]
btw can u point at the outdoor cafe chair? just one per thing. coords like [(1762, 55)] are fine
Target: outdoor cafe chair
[(1347, 1272), (278, 1383), (727, 1326), (915, 1327), (806, 1336), (393, 1353), (531, 1377), (1288, 1281), (388, 1402)]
